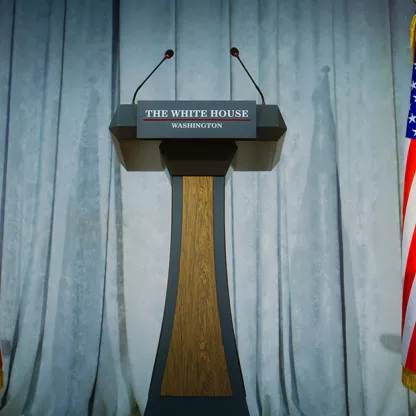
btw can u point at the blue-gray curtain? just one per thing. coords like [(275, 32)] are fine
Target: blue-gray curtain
[(313, 247)]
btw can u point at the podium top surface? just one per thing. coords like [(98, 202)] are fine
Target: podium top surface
[(137, 130)]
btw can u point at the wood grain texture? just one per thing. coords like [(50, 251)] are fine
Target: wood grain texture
[(196, 364)]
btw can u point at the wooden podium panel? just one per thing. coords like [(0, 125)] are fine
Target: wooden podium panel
[(196, 364)]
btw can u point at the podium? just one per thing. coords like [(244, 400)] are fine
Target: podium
[(198, 144)]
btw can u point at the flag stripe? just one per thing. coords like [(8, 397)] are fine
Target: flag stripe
[(409, 276), (409, 324), (409, 224), (409, 174), (410, 363)]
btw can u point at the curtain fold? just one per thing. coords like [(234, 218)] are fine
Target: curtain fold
[(60, 230)]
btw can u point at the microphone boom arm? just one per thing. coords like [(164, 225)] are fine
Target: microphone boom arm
[(236, 53), (141, 85), (168, 54), (252, 80)]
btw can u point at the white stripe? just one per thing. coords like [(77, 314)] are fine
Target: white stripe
[(406, 147), (409, 224), (409, 323)]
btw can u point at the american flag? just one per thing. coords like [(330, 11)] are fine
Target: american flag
[(409, 244)]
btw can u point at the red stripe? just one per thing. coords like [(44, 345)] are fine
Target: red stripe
[(409, 174), (409, 276), (411, 355)]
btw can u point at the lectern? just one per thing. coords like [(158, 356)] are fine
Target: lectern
[(198, 144)]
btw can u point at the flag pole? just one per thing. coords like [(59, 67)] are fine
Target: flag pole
[(413, 36)]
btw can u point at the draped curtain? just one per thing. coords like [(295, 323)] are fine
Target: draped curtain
[(313, 247)]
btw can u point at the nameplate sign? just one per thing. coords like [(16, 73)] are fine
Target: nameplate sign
[(196, 119)]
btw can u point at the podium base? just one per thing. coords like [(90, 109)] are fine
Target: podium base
[(196, 406)]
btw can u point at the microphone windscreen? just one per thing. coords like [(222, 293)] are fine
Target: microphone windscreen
[(169, 53), (234, 52)]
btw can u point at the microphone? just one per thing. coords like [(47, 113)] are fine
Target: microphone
[(236, 53), (168, 54)]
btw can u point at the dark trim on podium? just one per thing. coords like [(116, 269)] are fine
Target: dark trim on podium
[(230, 346), (171, 292), (196, 406)]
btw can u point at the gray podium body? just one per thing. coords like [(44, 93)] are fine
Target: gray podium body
[(198, 144)]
